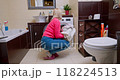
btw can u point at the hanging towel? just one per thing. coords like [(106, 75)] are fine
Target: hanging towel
[(68, 31)]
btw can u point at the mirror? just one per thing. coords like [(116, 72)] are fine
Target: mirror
[(116, 4), (41, 4)]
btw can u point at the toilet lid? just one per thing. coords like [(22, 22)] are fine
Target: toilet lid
[(103, 42)]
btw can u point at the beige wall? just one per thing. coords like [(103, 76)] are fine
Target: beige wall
[(89, 0), (74, 11), (3, 11), (18, 14)]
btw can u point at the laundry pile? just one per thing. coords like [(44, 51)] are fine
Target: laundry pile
[(68, 31)]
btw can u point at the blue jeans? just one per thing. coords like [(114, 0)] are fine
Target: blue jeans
[(54, 45)]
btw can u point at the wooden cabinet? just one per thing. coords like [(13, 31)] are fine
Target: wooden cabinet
[(36, 32), (118, 46), (14, 50), (87, 29), (90, 28)]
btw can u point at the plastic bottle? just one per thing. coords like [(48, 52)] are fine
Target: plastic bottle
[(102, 29), (50, 12), (40, 14), (43, 14), (6, 25), (106, 31)]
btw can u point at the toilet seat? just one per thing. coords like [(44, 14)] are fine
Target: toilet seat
[(101, 42)]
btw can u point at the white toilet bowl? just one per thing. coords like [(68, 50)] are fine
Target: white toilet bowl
[(102, 48)]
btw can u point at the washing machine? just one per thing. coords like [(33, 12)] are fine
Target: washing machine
[(68, 20)]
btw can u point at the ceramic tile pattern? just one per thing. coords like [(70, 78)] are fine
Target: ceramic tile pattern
[(69, 56)]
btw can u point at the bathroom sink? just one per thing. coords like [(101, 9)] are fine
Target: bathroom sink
[(40, 18)]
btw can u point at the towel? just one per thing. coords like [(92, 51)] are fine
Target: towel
[(68, 31)]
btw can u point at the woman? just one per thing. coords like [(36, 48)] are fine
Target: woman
[(52, 39)]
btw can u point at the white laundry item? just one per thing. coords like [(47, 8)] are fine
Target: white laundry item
[(68, 32)]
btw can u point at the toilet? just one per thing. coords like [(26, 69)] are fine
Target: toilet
[(104, 49)]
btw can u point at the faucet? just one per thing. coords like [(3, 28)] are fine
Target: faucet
[(2, 32)]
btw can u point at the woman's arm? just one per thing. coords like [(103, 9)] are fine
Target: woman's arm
[(57, 30)]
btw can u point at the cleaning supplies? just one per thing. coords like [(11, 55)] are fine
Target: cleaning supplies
[(102, 29), (40, 14), (106, 32), (43, 14), (50, 12), (6, 25)]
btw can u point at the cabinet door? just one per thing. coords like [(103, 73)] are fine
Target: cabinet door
[(81, 38), (24, 41), (81, 31), (31, 35), (38, 32)]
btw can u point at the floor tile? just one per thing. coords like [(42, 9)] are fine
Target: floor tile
[(68, 56)]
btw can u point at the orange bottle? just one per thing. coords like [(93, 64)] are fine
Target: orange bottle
[(102, 29)]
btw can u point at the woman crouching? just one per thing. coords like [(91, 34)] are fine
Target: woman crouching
[(52, 39)]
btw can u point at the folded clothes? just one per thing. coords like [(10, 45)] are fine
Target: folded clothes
[(68, 31)]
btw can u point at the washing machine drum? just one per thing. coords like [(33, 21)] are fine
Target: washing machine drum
[(101, 42)]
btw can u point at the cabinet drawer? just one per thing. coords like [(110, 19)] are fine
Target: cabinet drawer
[(81, 26), (81, 36)]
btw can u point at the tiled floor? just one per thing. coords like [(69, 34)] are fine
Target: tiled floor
[(69, 56)]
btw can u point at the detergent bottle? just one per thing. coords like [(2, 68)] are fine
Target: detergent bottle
[(5, 26), (106, 31), (102, 29)]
